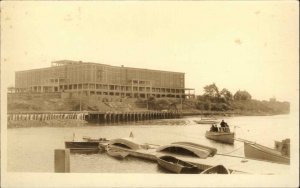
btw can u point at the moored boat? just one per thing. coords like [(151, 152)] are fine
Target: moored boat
[(88, 145), (88, 139), (206, 121), (81, 145), (219, 169), (256, 151), (175, 165), (116, 153), (224, 137)]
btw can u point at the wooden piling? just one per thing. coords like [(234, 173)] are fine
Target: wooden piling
[(62, 160)]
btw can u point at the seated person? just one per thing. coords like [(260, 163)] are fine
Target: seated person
[(213, 128), (223, 123), (216, 128), (224, 126)]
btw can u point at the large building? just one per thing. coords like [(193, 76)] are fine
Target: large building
[(85, 78)]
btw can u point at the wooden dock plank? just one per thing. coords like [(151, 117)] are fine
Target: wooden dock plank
[(242, 165)]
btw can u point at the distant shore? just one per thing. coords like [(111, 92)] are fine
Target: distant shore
[(229, 114)]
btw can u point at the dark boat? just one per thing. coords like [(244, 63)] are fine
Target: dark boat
[(81, 145), (88, 139), (90, 145), (219, 169), (87, 144), (175, 165)]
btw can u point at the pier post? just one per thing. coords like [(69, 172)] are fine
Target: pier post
[(62, 160)]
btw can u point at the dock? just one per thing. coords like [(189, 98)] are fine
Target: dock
[(237, 165), (93, 116), (189, 152)]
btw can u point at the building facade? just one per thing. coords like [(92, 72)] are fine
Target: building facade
[(84, 78)]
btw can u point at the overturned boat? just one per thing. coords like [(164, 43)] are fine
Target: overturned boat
[(125, 143), (253, 150), (188, 148), (219, 169), (175, 165)]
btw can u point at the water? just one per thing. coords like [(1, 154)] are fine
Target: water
[(32, 149)]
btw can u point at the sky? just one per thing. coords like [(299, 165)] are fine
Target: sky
[(238, 45)]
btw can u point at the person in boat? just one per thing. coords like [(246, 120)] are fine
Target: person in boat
[(213, 128), (216, 129), (224, 126)]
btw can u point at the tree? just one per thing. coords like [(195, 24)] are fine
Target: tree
[(242, 96), (212, 91), (226, 94)]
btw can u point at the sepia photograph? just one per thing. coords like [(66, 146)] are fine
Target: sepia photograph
[(149, 94)]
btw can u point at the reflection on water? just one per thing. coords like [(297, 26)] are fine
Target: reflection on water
[(32, 149)]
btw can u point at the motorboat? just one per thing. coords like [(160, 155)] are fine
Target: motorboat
[(87, 145), (253, 150), (221, 136)]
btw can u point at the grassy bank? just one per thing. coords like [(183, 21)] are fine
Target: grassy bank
[(200, 106)]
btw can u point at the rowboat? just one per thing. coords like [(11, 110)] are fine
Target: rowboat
[(224, 137), (219, 169), (116, 153), (175, 165), (256, 151)]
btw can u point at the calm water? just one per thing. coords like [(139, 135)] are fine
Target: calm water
[(32, 149)]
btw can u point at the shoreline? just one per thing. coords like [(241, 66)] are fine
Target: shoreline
[(46, 123), (230, 114)]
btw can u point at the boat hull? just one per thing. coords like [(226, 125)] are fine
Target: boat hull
[(175, 165), (219, 169), (256, 151), (223, 137), (116, 153), (81, 145), (206, 121)]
